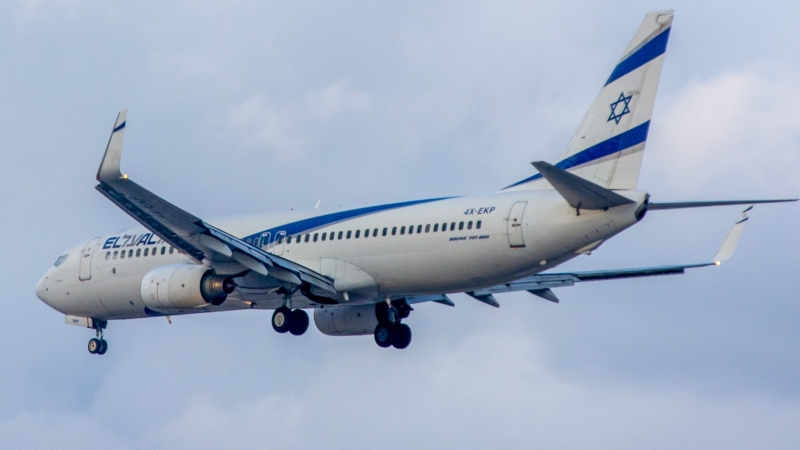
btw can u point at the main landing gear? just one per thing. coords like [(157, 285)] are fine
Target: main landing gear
[(98, 345), (294, 321), (390, 332)]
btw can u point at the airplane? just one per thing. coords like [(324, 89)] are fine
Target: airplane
[(361, 269)]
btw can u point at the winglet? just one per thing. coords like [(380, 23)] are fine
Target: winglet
[(729, 245), (109, 168)]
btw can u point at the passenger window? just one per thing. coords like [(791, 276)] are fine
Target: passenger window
[(419, 229), (366, 233), (461, 225), (171, 249), (452, 226), (138, 252), (163, 250), (428, 228), (323, 236), (394, 231), (146, 251), (469, 225), (130, 253), (122, 254), (280, 240), (410, 230), (115, 254), (316, 235), (349, 234), (478, 225), (108, 256), (288, 239), (339, 236), (358, 233), (308, 237), (435, 227), (384, 231), (375, 232), (402, 230)]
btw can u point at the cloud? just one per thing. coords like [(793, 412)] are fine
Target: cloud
[(741, 126), (492, 388), (282, 130)]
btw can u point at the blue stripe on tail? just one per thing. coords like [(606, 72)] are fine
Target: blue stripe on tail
[(650, 51), (620, 142)]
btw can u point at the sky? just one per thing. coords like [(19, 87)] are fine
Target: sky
[(239, 107)]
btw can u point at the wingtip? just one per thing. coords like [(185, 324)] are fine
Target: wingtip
[(110, 165), (732, 240)]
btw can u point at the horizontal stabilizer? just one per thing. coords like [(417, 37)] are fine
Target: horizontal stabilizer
[(579, 192), (656, 206)]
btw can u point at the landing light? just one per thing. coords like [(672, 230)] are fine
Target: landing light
[(716, 263)]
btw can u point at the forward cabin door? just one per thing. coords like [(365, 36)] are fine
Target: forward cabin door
[(86, 260), (515, 238)]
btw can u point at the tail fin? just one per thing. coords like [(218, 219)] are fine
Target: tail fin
[(608, 147)]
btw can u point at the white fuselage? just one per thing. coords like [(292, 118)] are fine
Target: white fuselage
[(488, 240)]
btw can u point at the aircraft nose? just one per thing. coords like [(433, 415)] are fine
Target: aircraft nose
[(41, 290)]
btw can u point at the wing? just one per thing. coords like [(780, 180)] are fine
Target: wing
[(541, 285), (204, 243)]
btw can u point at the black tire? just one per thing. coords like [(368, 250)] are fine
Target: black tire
[(384, 334), (299, 322), (94, 345), (103, 347), (402, 336), (282, 319)]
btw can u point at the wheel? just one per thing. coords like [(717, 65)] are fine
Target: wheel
[(94, 345), (402, 336), (282, 319), (299, 322), (384, 334), (103, 347)]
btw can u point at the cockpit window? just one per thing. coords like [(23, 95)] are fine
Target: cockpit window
[(60, 260)]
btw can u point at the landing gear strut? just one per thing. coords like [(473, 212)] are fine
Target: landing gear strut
[(98, 345), (390, 332)]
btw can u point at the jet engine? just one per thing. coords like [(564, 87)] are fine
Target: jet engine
[(184, 286), (346, 320)]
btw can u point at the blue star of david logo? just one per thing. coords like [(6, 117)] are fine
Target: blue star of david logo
[(624, 101)]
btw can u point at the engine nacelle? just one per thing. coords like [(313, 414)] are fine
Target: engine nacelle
[(346, 320), (178, 287)]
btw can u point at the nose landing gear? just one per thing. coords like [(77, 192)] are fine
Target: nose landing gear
[(98, 345)]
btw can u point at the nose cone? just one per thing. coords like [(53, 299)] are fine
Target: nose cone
[(41, 290)]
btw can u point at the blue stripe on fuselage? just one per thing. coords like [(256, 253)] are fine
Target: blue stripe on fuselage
[(302, 226), (650, 51), (620, 142)]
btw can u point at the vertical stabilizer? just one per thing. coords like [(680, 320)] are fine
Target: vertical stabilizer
[(608, 146)]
